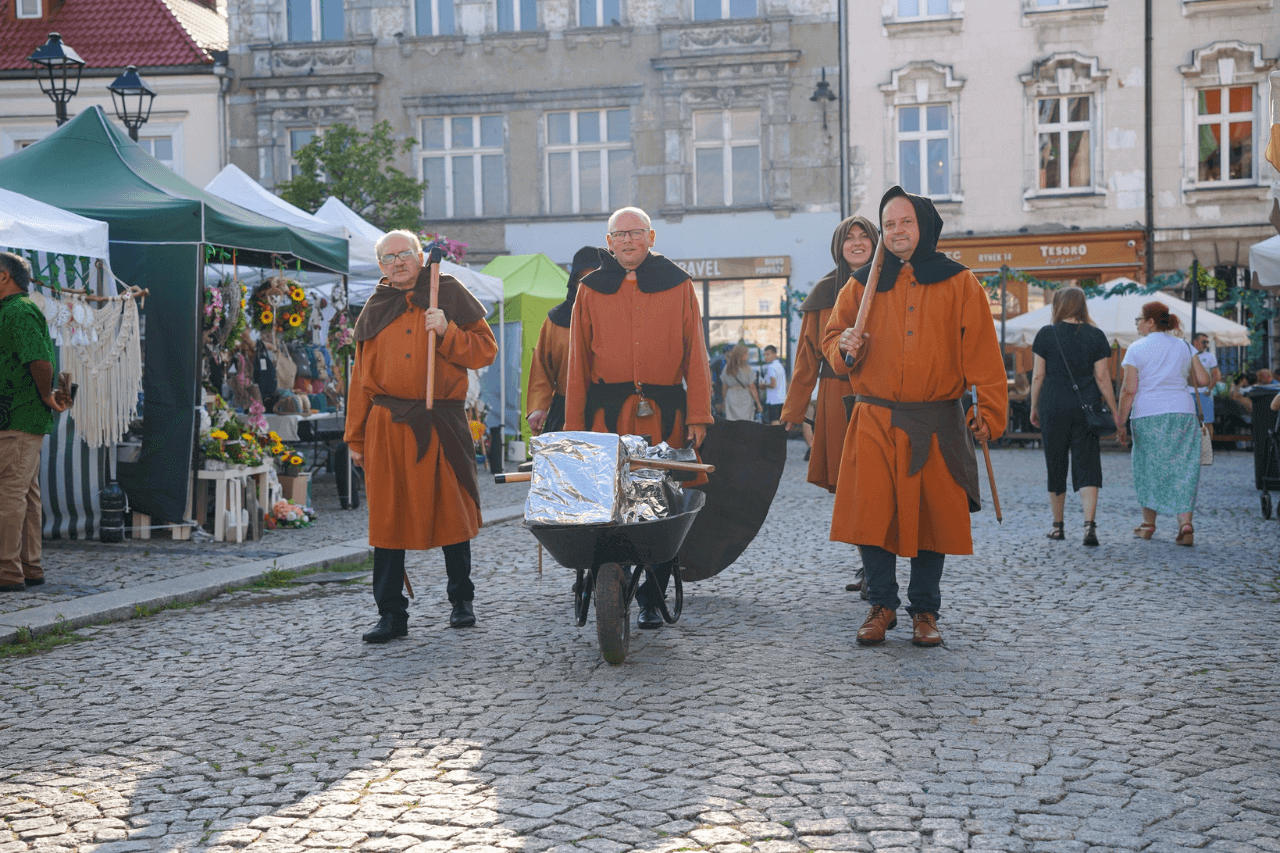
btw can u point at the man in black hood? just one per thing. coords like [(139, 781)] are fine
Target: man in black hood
[(550, 366)]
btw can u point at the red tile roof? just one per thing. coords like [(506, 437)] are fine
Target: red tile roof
[(116, 33)]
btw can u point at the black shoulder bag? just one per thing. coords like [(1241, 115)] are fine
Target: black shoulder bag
[(1097, 419)]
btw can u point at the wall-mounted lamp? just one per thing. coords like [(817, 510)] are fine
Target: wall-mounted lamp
[(823, 95)]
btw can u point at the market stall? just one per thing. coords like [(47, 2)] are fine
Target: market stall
[(160, 228)]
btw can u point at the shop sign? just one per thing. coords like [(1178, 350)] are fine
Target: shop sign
[(772, 266), (1070, 253)]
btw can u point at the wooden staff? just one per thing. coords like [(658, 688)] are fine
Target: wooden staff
[(873, 279), (986, 453), (434, 270), (664, 464)]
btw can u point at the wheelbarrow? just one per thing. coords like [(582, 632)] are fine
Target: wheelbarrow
[(612, 559)]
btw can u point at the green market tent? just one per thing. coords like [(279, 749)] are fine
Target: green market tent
[(532, 286), (160, 225)]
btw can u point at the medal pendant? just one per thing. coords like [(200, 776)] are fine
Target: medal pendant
[(644, 410)]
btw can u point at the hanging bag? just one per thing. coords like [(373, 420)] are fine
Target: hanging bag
[(1206, 431), (1097, 419)]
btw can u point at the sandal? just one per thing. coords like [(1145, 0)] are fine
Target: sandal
[(1090, 533), (1144, 530), (1057, 532), (1186, 535)]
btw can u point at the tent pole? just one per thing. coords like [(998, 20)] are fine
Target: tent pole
[(502, 373)]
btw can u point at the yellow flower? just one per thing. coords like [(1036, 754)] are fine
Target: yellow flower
[(295, 460), (277, 449), (273, 436), (220, 435), (266, 318), (295, 320), (297, 295)]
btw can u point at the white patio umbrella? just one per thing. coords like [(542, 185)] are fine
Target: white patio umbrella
[(1114, 315)]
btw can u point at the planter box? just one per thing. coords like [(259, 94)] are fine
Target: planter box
[(296, 488)]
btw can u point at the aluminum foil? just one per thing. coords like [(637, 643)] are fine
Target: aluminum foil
[(649, 494), (578, 478)]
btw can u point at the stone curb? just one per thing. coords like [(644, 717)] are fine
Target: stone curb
[(122, 604)]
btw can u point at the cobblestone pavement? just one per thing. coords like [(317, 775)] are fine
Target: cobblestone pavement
[(76, 567), (1119, 698)]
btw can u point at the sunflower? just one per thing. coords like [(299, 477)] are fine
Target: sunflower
[(277, 449), (297, 295), (220, 435), (267, 318), (274, 436), (295, 320), (295, 460)]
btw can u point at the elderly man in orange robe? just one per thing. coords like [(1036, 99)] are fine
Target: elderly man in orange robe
[(908, 473), (549, 369), (419, 465), (637, 358)]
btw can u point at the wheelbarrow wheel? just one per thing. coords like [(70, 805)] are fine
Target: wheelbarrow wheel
[(613, 625), (1266, 505)]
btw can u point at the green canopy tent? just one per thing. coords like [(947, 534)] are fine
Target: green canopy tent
[(160, 225), (531, 285)]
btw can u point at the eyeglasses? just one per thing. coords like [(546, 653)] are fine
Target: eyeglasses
[(633, 234), (1138, 319), (389, 259)]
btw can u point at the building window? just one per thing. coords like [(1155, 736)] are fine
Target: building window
[(315, 20), (29, 9), (159, 147), (298, 139), (726, 157), (715, 10), (1224, 134), (924, 150), (1064, 140), (599, 13), (463, 165), (516, 15), (433, 17), (589, 162), (923, 8)]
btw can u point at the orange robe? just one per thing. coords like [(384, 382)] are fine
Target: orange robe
[(548, 373), (829, 421), (413, 505), (928, 342), (633, 336)]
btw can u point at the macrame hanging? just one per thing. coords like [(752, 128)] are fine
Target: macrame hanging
[(102, 350)]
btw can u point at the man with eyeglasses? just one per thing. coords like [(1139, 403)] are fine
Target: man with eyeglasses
[(419, 466), (637, 359)]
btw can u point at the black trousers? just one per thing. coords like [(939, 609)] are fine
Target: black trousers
[(650, 596), (388, 578), (1065, 436)]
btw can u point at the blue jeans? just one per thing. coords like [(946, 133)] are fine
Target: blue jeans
[(1206, 406), (924, 590)]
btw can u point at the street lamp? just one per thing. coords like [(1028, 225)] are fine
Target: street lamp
[(56, 61), (132, 98), (823, 94)]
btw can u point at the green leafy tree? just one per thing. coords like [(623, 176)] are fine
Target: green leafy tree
[(355, 168)]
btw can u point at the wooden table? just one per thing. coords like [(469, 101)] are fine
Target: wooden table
[(229, 487)]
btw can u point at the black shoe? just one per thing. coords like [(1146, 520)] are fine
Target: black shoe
[(387, 629), (34, 581), (13, 587), (806, 454), (1090, 533), (462, 616), (649, 618)]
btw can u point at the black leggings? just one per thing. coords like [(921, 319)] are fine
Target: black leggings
[(1064, 436)]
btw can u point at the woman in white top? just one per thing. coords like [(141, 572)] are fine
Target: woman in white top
[(1166, 432)]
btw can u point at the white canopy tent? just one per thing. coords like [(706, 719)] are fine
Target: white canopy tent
[(33, 225), (236, 187), (1114, 316), (1264, 261)]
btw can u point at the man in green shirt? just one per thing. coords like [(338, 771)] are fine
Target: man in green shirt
[(28, 406)]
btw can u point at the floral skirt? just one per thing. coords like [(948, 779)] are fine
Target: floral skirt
[(1166, 462)]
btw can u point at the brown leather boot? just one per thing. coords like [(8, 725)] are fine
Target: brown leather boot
[(924, 630), (879, 620)]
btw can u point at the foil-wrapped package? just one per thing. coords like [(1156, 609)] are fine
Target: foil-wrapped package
[(649, 494), (578, 478)]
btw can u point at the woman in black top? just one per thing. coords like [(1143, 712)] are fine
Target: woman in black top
[(1071, 346)]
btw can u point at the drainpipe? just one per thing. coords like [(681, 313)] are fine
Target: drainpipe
[(841, 53), (1150, 181)]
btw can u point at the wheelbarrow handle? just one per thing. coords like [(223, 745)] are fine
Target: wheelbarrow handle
[(664, 464)]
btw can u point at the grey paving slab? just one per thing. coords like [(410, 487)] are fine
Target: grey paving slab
[(1086, 700)]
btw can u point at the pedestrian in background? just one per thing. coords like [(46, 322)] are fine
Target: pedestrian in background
[(550, 363), (773, 376), (28, 406), (1071, 371), (741, 400), (419, 467), (1210, 362), (1166, 433)]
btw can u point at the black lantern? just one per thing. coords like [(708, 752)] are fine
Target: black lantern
[(132, 98), (59, 74), (823, 94)]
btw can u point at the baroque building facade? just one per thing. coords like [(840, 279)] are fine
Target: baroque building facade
[(1025, 122), (532, 120)]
